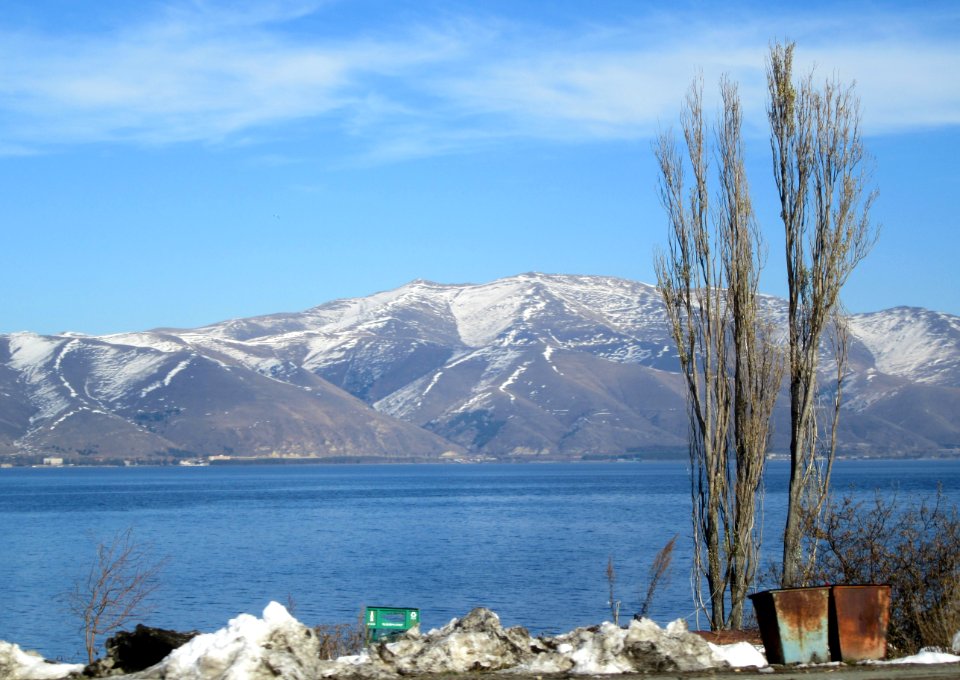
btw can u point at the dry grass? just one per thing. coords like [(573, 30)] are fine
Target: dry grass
[(659, 574), (341, 639)]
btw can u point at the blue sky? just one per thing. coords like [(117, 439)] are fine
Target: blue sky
[(181, 162)]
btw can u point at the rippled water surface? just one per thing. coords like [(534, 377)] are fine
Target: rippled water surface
[(529, 541)]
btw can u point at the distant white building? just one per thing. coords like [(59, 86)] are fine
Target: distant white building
[(53, 462)]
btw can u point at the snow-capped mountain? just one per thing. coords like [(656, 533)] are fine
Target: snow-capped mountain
[(530, 366)]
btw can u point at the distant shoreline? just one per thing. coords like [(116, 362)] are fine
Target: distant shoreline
[(380, 460)]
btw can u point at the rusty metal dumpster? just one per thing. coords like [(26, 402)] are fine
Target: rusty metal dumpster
[(794, 624), (859, 616)]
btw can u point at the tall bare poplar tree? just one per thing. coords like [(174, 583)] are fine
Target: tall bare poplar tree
[(757, 359), (708, 280), (818, 164), (690, 280)]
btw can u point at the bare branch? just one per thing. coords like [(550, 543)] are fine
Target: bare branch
[(116, 588)]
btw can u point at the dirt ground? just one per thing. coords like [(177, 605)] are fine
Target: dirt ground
[(899, 672)]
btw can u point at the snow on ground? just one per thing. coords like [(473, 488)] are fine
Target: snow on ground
[(277, 645), (924, 656), (16, 664), (740, 654)]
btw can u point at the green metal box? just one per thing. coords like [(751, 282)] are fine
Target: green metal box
[(386, 622)]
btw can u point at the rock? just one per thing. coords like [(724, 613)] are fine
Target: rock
[(477, 642), (597, 649), (651, 648), (16, 664), (128, 652), (642, 648)]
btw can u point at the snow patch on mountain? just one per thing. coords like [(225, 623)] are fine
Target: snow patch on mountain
[(114, 373), (484, 312), (29, 351), (156, 341), (433, 382), (910, 343), (58, 367), (167, 379), (505, 387)]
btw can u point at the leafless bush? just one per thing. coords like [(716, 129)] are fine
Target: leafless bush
[(115, 589), (916, 550), (340, 639)]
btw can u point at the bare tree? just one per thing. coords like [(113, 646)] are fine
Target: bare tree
[(115, 589), (757, 358), (818, 163), (690, 279), (708, 281)]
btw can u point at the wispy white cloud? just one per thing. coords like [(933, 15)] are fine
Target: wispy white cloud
[(205, 73)]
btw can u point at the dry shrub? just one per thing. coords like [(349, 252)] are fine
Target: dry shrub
[(943, 619), (916, 550), (340, 639)]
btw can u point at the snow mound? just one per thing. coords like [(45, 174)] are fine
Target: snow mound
[(642, 648), (279, 646), (740, 655), (477, 642), (16, 664), (249, 648)]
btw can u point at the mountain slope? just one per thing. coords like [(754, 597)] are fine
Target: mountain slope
[(523, 367), (101, 398)]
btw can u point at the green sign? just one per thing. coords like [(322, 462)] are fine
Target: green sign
[(385, 622)]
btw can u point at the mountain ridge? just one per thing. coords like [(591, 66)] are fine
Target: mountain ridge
[(533, 366)]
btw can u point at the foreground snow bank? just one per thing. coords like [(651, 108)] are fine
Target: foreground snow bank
[(16, 664), (249, 648), (479, 642), (277, 645)]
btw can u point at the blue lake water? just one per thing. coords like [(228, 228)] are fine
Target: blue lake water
[(529, 541)]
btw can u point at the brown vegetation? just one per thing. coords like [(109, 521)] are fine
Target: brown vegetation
[(915, 549), (341, 639)]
